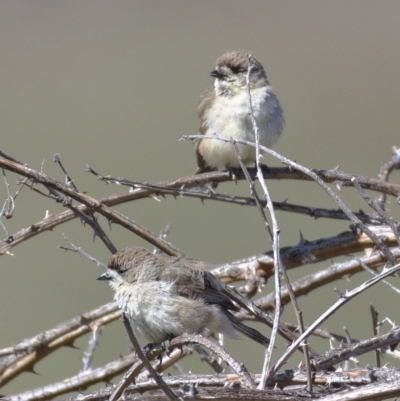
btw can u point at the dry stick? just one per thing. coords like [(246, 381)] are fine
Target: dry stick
[(374, 205), (376, 391), (129, 377), (64, 336), (348, 268), (196, 180), (87, 216), (315, 280), (157, 378), (273, 236), (346, 380), (43, 339), (90, 203), (237, 367), (89, 353), (337, 356), (347, 337), (78, 249), (8, 157), (50, 222), (378, 241), (178, 342), (77, 382), (196, 339), (9, 204), (366, 268), (343, 300), (324, 334), (240, 200), (274, 241), (277, 173), (374, 315), (110, 370), (374, 259), (163, 235), (180, 352), (384, 173), (88, 378), (94, 224), (208, 359), (278, 264), (68, 179)]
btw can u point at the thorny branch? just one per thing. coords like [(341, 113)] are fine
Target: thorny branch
[(382, 233)]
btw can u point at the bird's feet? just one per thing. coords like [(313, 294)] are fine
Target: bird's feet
[(166, 344), (148, 348), (233, 172)]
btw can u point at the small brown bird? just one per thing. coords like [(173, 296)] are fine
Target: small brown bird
[(224, 110), (167, 296)]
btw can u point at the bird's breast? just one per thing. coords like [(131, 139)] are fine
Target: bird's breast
[(229, 117)]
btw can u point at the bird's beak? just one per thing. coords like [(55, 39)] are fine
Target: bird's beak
[(104, 276), (217, 74)]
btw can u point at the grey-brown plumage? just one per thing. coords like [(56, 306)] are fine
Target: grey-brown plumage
[(224, 110), (167, 296)]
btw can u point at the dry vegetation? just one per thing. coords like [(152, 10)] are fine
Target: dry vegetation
[(320, 376)]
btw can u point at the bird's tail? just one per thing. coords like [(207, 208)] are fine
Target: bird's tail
[(248, 331)]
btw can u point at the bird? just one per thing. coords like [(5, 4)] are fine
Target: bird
[(224, 110), (167, 296)]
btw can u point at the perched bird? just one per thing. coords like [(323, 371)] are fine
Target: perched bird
[(167, 296), (224, 110)]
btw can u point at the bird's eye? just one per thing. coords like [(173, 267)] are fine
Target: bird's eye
[(118, 270), (237, 70)]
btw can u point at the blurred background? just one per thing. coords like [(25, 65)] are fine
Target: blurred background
[(116, 84)]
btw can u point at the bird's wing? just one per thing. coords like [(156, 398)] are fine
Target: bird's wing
[(190, 282)]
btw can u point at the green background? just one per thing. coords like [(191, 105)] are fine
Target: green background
[(115, 84)]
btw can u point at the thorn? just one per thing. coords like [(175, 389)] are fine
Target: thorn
[(71, 345), (339, 184), (84, 320), (30, 369), (302, 240)]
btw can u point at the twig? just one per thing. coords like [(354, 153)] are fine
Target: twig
[(31, 351), (379, 243), (90, 203), (341, 354), (196, 180), (92, 221), (384, 173), (77, 382), (89, 353), (375, 206), (237, 367), (363, 264), (157, 378), (374, 316), (9, 204), (343, 300), (273, 236), (78, 249), (68, 179), (8, 157), (305, 285)]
